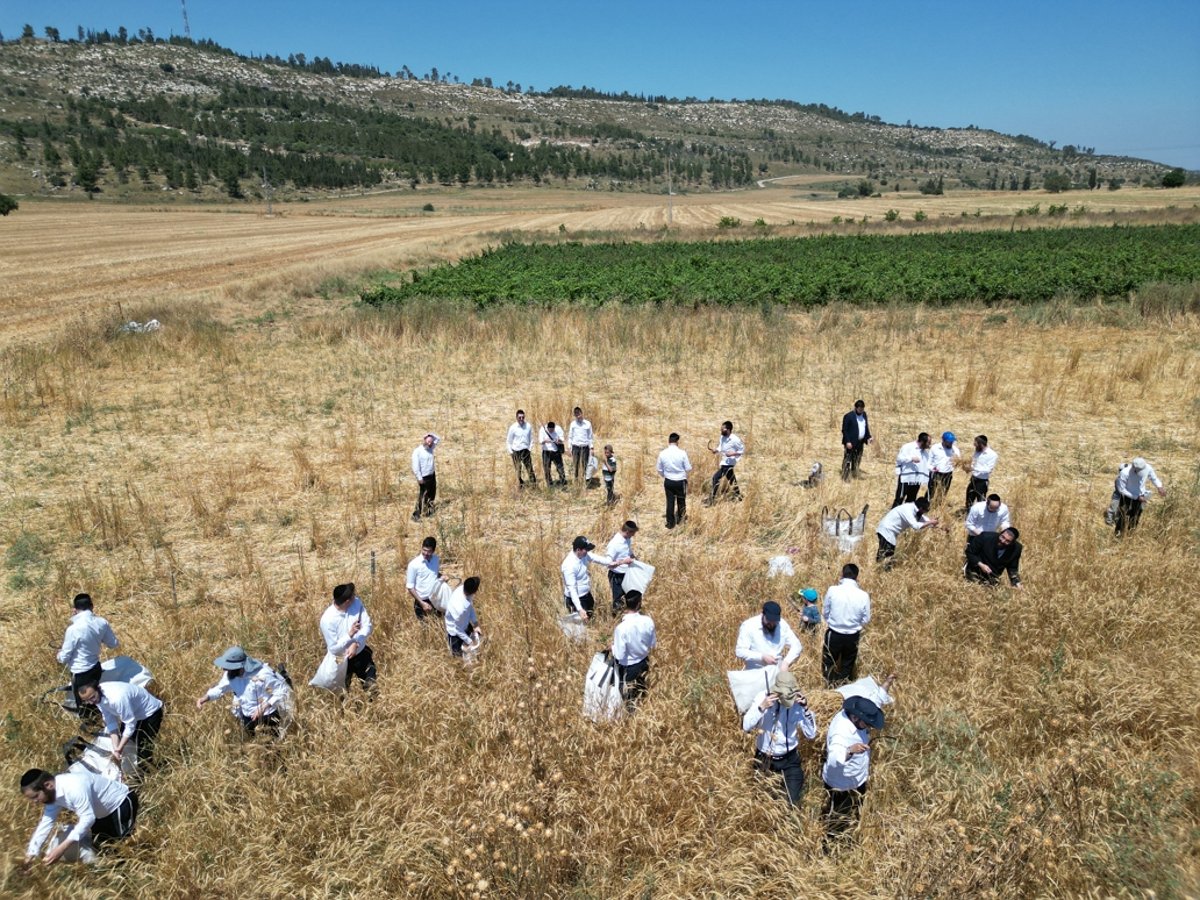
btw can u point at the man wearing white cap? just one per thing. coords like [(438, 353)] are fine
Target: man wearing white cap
[(942, 458), (1132, 491), (780, 716), (261, 696)]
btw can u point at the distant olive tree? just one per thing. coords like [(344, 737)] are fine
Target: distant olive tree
[(7, 205), (1174, 178), (1056, 182)]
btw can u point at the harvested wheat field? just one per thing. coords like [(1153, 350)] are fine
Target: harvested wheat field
[(210, 483)]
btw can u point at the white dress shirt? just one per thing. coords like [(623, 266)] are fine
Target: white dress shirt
[(422, 576), (901, 518), (781, 726), (520, 437), (576, 580), (911, 472), (861, 421), (620, 547), (81, 644), (460, 612), (842, 771), (673, 463), (1132, 483), (422, 458), (983, 463), (125, 704), (336, 623), (550, 438), (727, 445), (88, 795), (579, 434), (753, 643), (633, 638), (942, 460), (847, 607), (265, 690), (981, 519)]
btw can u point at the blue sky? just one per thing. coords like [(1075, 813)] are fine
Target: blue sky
[(1122, 77)]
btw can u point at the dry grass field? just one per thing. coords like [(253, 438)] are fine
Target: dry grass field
[(210, 483)]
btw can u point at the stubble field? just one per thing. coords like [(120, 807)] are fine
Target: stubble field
[(210, 483)]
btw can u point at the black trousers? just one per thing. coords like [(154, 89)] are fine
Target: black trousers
[(608, 487), (977, 489), (145, 734), (272, 720), (725, 472), (839, 656), (361, 666), (579, 458), (939, 485), (1129, 511), (86, 711), (615, 583), (787, 765), (456, 643), (886, 548), (117, 824), (523, 458), (420, 612), (905, 493), (587, 601), (676, 492), (426, 494), (553, 457), (842, 809), (633, 680), (851, 460)]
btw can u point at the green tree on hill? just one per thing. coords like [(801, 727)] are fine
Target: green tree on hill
[(1056, 182), (1173, 179), (7, 205)]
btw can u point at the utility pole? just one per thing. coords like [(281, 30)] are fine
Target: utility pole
[(187, 29), (267, 187), (670, 193)]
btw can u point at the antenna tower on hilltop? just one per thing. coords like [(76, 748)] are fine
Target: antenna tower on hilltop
[(187, 29)]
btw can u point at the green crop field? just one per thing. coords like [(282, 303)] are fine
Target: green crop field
[(947, 267)]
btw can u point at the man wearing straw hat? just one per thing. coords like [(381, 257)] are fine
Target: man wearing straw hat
[(261, 696), (848, 762), (345, 626), (780, 716)]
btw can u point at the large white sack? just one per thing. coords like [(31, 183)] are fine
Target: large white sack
[(601, 690), (866, 687), (573, 626), (124, 668), (97, 759), (637, 577), (331, 674), (746, 684), (440, 597)]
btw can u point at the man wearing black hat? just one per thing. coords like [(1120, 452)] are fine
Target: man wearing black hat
[(848, 762), (673, 467), (780, 716), (913, 465), (990, 553), (577, 583), (632, 640), (856, 434), (345, 626), (767, 640)]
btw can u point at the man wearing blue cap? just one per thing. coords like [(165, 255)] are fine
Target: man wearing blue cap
[(942, 458), (848, 762)]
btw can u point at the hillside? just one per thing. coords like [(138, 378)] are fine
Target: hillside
[(172, 119)]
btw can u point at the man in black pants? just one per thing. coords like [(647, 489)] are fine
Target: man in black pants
[(847, 611), (990, 553), (856, 434), (779, 723), (81, 649), (673, 465)]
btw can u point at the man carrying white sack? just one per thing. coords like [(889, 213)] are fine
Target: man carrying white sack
[(780, 716), (345, 626), (577, 583), (261, 695)]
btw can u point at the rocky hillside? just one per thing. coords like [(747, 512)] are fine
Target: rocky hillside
[(127, 120)]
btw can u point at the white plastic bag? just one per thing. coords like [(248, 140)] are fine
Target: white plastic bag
[(780, 565), (746, 684), (866, 687), (637, 577), (601, 690), (573, 626), (331, 674), (97, 759), (124, 668)]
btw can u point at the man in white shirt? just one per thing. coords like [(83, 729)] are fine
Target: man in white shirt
[(345, 626), (422, 577), (423, 468), (848, 763), (673, 465), (942, 458), (847, 610), (779, 717), (104, 810), (767, 640), (898, 519), (581, 438), (912, 469), (81, 647), (1132, 490), (131, 713), (577, 583), (988, 515), (729, 450), (983, 463), (551, 438), (620, 547), (261, 696), (632, 640), (519, 442), (856, 434), (462, 622)]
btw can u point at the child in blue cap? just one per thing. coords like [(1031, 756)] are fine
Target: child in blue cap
[(810, 614)]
